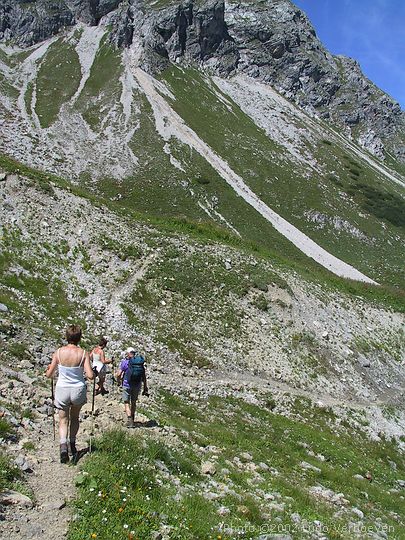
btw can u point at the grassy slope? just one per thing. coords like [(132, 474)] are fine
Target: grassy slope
[(102, 89), (159, 189), (284, 186), (205, 232), (58, 79), (125, 468), (123, 492)]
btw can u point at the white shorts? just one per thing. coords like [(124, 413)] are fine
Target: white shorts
[(66, 396)]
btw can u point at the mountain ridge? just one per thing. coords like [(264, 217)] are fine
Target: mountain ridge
[(271, 41)]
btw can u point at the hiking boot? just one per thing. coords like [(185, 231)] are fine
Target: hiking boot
[(64, 456), (130, 422)]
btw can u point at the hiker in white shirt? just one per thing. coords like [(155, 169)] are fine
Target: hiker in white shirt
[(72, 364), (99, 361)]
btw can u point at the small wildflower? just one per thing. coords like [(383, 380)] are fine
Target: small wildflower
[(125, 526), (93, 535), (120, 509)]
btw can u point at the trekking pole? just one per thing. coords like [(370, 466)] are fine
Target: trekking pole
[(92, 412), (53, 409), (113, 376)]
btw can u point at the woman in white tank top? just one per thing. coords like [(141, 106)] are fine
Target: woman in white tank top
[(99, 360), (73, 363)]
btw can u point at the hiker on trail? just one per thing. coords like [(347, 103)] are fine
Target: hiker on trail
[(72, 363), (99, 362), (132, 375)]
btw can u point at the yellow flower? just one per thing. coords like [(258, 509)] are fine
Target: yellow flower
[(93, 535), (120, 509)]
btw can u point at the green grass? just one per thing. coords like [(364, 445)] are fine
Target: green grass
[(6, 429), (29, 446), (102, 89), (9, 472), (119, 492), (382, 204), (206, 233), (286, 188), (122, 485), (57, 81)]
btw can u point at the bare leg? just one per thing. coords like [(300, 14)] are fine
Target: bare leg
[(133, 407), (63, 429), (74, 422), (127, 409), (101, 382), (63, 425)]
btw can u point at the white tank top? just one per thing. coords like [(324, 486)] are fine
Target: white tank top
[(96, 361), (70, 376)]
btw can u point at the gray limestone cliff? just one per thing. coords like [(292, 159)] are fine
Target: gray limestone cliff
[(270, 40), (29, 22)]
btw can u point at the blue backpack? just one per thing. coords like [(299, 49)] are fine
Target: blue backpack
[(136, 369)]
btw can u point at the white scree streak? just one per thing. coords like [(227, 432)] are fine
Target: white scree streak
[(170, 124), (86, 49)]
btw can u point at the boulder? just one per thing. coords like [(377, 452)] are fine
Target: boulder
[(208, 467), (10, 497)]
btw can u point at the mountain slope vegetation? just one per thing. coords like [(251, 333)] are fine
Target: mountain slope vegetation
[(206, 182)]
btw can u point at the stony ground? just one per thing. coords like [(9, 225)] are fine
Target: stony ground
[(281, 337), (50, 485)]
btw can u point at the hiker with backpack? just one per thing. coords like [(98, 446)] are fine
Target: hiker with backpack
[(99, 362), (72, 363), (132, 375)]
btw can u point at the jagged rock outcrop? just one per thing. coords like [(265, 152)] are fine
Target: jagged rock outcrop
[(30, 22), (271, 40), (278, 45), (185, 31)]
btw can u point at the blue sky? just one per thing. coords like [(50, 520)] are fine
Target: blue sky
[(371, 31)]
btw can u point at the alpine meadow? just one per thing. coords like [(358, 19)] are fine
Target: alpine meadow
[(202, 190)]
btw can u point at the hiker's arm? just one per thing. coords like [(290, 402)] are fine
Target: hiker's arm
[(104, 359), (87, 367), (50, 370)]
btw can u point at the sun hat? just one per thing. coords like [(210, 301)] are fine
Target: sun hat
[(130, 349)]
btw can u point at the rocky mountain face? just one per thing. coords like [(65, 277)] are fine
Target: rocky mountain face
[(271, 41), (30, 22)]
